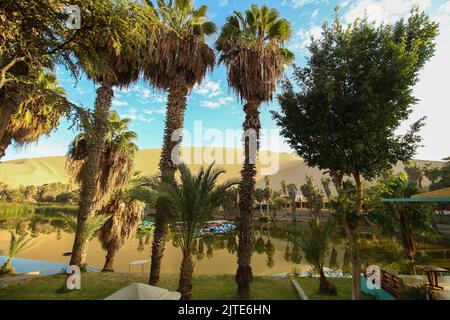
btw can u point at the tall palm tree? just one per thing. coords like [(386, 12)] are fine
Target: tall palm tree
[(38, 113), (315, 243), (177, 63), (116, 161), (251, 48), (126, 215), (190, 203), (16, 244), (110, 55)]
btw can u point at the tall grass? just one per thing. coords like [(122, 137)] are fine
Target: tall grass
[(27, 210), (16, 210)]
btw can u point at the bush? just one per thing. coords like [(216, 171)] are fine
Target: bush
[(417, 292)]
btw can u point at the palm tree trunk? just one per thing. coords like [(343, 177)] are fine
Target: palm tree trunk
[(84, 252), (95, 148), (109, 261), (324, 286), (176, 107), (5, 142), (251, 127), (186, 272), (7, 109)]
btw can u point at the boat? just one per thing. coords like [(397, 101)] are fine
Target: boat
[(218, 227)]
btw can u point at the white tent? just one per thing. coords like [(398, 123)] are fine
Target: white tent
[(140, 291)]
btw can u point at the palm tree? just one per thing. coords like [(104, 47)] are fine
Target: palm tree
[(190, 203), (314, 242), (415, 173), (110, 55), (126, 215), (326, 184), (292, 192), (93, 224), (116, 161), (16, 244), (38, 113), (284, 188), (177, 63), (268, 195), (252, 50), (259, 197)]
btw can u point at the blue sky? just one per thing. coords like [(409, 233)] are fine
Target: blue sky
[(217, 107)]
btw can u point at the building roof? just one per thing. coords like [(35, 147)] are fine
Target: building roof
[(442, 195)]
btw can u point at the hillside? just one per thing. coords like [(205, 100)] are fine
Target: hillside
[(38, 171)]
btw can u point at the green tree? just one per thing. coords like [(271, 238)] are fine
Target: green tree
[(178, 62), (191, 202), (403, 220), (443, 176), (251, 48), (38, 113), (355, 91)]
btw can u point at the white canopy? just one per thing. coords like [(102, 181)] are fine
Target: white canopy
[(140, 291)]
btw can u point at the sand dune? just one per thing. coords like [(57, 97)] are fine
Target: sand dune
[(38, 171)]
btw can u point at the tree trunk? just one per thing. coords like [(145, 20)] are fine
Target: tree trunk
[(95, 148), (251, 127), (186, 272), (356, 265), (84, 253), (408, 240), (176, 107), (109, 261), (324, 285), (7, 108), (5, 142)]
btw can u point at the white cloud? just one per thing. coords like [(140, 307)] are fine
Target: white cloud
[(302, 38), (119, 103), (300, 3), (154, 111), (223, 3), (388, 11), (443, 14), (208, 88), (215, 104), (314, 14)]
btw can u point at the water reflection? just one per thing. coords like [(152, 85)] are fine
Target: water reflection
[(274, 249)]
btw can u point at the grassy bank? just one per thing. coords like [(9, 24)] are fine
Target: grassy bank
[(311, 287), (29, 210), (100, 285)]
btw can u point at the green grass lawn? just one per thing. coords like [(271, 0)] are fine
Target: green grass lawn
[(343, 285), (96, 286)]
